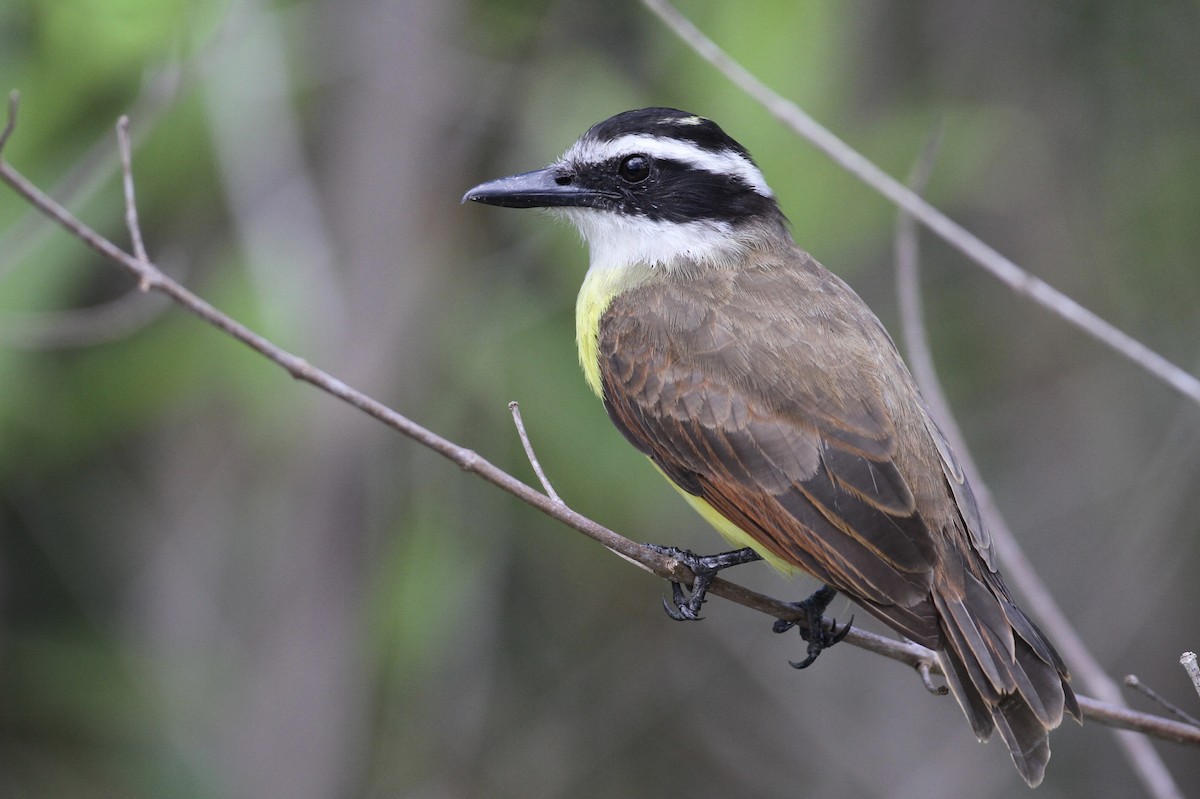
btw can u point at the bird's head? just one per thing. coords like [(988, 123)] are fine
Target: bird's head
[(656, 186)]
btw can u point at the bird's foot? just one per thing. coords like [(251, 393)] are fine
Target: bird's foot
[(813, 630), (683, 607)]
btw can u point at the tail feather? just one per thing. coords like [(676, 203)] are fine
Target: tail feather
[(978, 712), (1027, 738), (1003, 672), (1046, 654)]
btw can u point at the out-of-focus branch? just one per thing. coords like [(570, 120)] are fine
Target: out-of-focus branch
[(1018, 569), (10, 123), (954, 234), (80, 327), (150, 278)]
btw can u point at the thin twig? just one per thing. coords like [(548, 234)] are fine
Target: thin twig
[(515, 407), (131, 214), (956, 235), (1141, 755), (906, 652), (1188, 661), (89, 174), (1145, 690), (14, 100)]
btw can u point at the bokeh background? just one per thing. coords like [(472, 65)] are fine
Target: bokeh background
[(217, 582)]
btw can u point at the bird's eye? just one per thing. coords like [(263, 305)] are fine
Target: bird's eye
[(634, 168)]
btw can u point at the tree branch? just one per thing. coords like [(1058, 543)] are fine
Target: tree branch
[(1013, 276), (515, 407), (149, 277), (81, 327), (1154, 696), (131, 214), (1145, 760)]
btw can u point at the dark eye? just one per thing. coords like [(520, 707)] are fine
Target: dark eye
[(634, 168)]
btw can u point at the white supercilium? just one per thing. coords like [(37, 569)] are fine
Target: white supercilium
[(724, 162)]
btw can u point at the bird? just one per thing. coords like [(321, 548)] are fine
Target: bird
[(773, 398)]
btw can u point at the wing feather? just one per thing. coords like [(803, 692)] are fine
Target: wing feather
[(725, 380), (817, 491)]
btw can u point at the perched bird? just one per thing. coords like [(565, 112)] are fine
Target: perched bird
[(772, 397)]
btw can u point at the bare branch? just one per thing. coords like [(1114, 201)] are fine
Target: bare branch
[(104, 322), (160, 87), (1135, 721), (1145, 690), (14, 100), (515, 407), (1017, 279), (906, 652), (131, 214), (1019, 569), (911, 305)]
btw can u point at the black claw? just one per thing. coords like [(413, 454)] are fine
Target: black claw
[(680, 607), (687, 608), (672, 611), (839, 635), (819, 639)]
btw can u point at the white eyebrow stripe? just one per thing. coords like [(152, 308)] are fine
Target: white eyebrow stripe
[(726, 162)]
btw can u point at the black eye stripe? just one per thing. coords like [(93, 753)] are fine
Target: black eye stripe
[(678, 170), (676, 191)]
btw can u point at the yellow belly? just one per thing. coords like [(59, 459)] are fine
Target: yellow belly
[(731, 532)]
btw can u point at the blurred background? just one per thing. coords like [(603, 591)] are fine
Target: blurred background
[(218, 582)]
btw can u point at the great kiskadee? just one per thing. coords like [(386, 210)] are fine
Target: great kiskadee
[(773, 398)]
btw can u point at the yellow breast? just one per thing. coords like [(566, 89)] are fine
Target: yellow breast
[(595, 295)]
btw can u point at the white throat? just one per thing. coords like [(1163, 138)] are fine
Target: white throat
[(618, 240)]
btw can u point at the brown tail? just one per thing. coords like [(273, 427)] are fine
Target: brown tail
[(1003, 672)]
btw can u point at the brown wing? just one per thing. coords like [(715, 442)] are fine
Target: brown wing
[(808, 473), (774, 395)]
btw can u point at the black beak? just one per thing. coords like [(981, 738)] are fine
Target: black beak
[(552, 187)]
